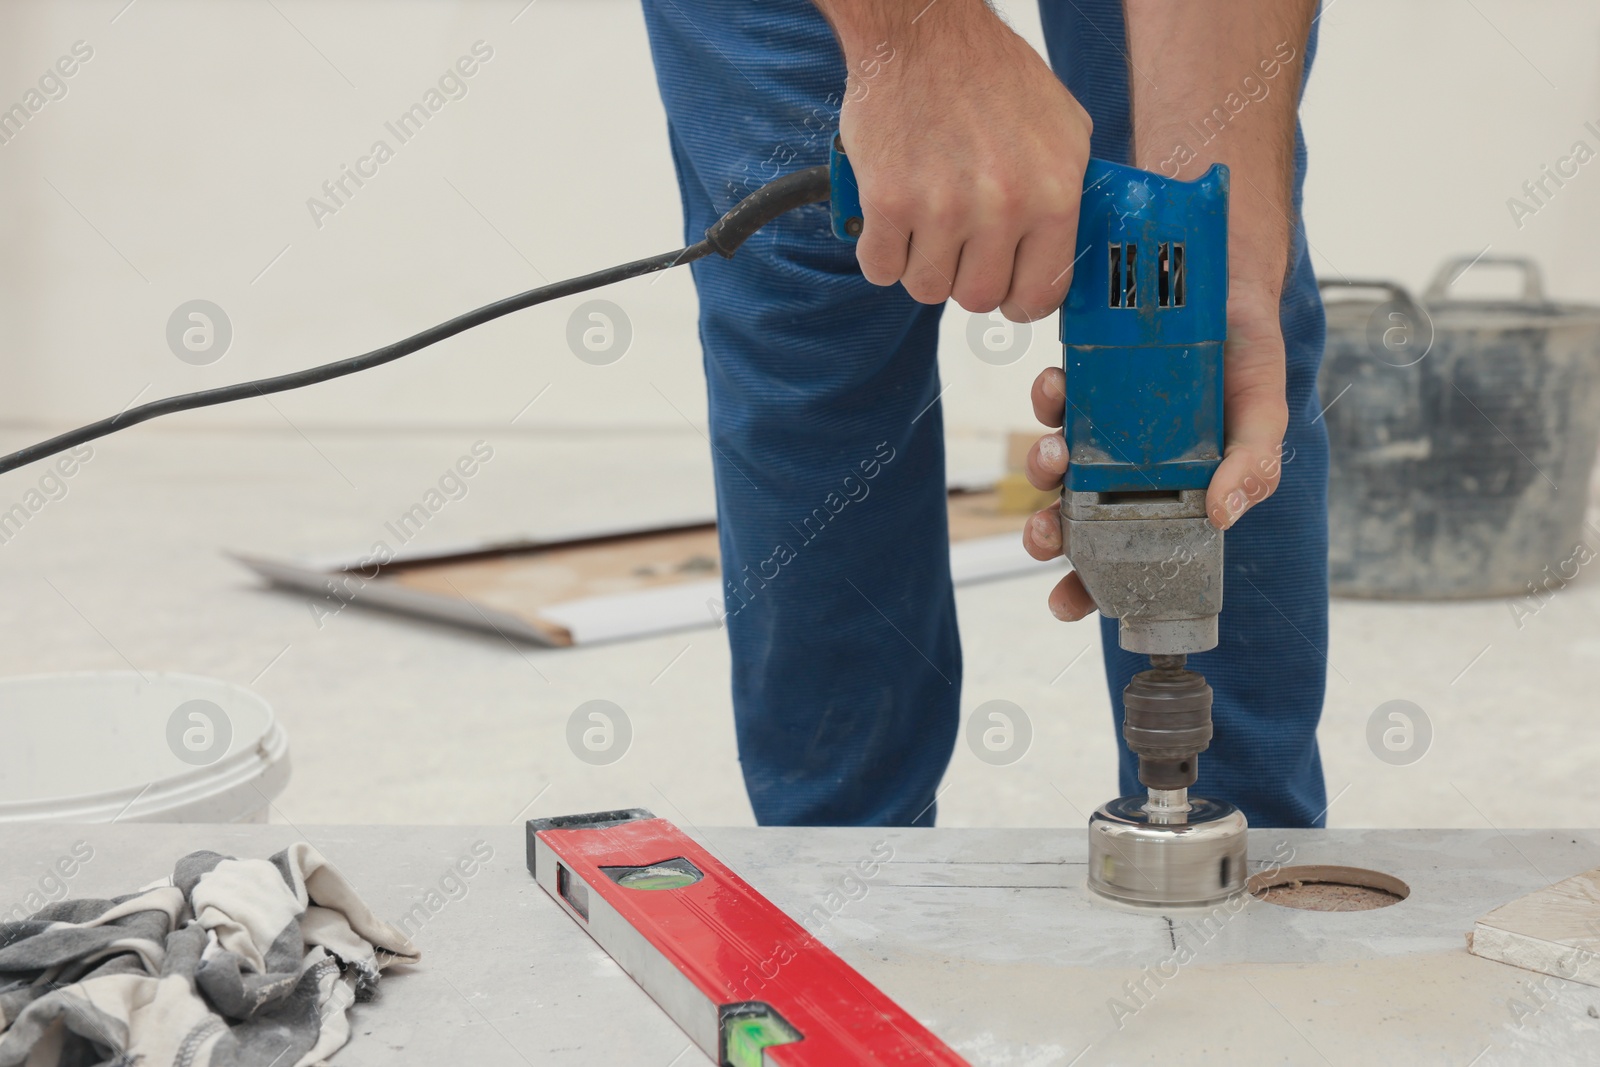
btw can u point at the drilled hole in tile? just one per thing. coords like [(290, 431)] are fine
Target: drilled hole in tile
[(1324, 887)]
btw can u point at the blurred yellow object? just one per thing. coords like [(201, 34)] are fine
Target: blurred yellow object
[(1015, 496), (1018, 444)]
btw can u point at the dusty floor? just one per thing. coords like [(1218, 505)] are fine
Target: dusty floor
[(392, 720)]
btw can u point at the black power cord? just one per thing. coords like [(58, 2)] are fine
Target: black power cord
[(809, 186)]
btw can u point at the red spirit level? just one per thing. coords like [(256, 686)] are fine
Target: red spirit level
[(749, 985)]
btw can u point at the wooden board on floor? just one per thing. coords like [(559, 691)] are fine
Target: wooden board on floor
[(610, 586), (608, 566)]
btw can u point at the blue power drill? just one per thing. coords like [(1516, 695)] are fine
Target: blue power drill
[(1142, 334)]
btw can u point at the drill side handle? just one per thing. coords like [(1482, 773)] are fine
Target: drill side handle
[(845, 202)]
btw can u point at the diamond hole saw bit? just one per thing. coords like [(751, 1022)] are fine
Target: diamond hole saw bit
[(1142, 336)]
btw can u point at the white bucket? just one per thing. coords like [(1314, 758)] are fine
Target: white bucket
[(121, 747)]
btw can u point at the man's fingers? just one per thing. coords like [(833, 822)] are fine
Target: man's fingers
[(1257, 416), (1069, 600), (930, 272), (1246, 477), (1041, 534), (1041, 537), (1049, 396), (1043, 268), (983, 275), (882, 249), (1252, 463), (1046, 462)]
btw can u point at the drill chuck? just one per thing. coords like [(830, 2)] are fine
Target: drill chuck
[(1167, 722)]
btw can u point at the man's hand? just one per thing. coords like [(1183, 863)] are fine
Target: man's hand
[(968, 151), (1253, 388)]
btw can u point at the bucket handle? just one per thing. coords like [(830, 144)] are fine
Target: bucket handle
[(1454, 267), (1394, 289)]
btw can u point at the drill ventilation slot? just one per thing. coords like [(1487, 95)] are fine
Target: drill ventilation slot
[(1124, 276), (1141, 496), (1169, 275)]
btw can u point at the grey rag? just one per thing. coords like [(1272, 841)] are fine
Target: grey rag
[(229, 963)]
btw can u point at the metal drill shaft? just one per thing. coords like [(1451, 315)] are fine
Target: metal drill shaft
[(1168, 807)]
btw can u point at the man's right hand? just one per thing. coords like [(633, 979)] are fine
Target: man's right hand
[(968, 151)]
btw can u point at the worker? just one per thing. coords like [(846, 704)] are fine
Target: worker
[(825, 414)]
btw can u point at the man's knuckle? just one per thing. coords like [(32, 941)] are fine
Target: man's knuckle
[(981, 295), (1036, 299), (894, 206), (945, 214), (926, 288), (1012, 209), (878, 267)]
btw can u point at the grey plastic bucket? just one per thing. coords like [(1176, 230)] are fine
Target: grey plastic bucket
[(1463, 433), (124, 747)]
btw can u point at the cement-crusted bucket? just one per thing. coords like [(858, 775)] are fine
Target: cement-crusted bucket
[(1463, 433)]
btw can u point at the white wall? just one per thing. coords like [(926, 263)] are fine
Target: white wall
[(179, 163)]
